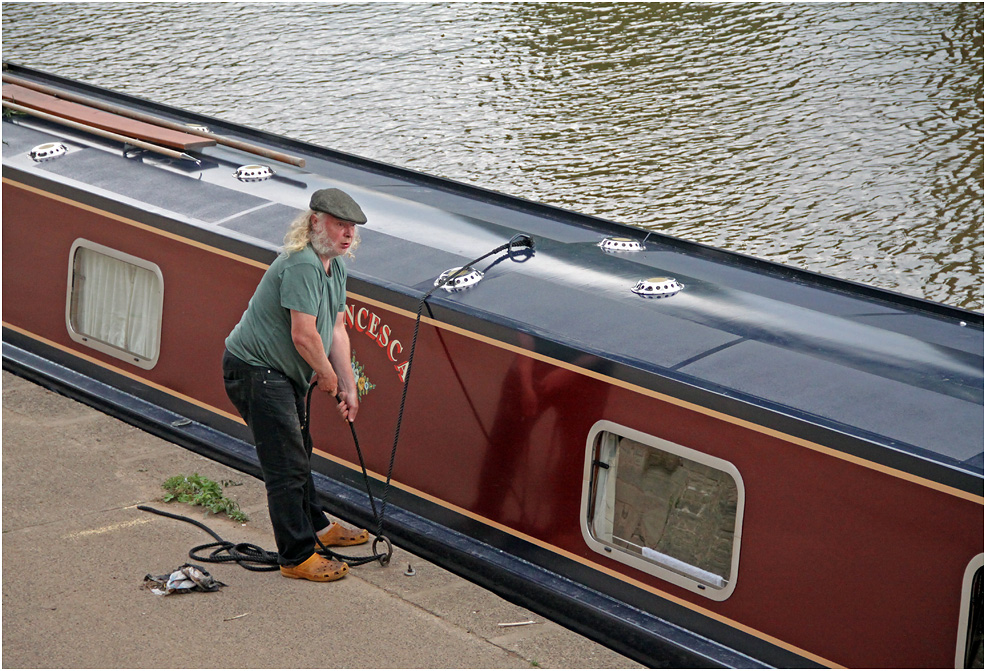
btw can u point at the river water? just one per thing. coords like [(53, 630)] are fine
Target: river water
[(846, 139)]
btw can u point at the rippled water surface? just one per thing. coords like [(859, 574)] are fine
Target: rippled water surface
[(842, 138)]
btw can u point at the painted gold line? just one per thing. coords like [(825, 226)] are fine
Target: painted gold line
[(125, 373), (137, 224)]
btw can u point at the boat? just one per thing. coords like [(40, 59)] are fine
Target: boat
[(693, 456)]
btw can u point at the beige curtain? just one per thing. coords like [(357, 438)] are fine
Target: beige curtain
[(117, 303), (605, 503)]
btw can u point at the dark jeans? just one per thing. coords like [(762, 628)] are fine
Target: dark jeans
[(274, 411)]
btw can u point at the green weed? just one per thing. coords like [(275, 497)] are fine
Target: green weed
[(201, 491)]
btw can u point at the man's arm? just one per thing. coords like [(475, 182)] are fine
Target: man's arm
[(340, 358), (308, 342)]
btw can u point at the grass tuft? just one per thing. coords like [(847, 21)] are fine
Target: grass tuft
[(201, 491)]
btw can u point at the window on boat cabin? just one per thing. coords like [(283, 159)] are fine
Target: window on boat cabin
[(114, 303), (969, 653), (663, 508)]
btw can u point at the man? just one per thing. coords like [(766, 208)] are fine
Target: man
[(294, 328)]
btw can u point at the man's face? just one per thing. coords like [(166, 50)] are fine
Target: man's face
[(332, 237)]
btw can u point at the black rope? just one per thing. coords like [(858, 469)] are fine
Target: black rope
[(382, 557), (359, 453), (519, 240), (249, 556)]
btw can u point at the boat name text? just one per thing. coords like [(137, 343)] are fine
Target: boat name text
[(372, 326)]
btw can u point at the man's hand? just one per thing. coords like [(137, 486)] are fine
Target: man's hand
[(328, 383), (348, 404)]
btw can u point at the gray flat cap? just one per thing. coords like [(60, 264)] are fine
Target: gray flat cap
[(338, 204)]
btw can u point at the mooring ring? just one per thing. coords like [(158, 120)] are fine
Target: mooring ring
[(383, 558)]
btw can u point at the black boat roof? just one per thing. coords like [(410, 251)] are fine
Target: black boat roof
[(889, 377)]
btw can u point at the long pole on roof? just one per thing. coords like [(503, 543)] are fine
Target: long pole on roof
[(100, 132), (147, 118)]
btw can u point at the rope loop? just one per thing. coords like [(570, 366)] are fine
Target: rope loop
[(383, 557)]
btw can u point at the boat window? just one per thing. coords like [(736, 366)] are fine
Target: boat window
[(970, 649), (114, 303), (663, 508)]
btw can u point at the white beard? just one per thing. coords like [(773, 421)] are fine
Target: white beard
[(321, 243)]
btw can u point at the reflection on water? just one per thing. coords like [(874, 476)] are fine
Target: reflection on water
[(842, 138)]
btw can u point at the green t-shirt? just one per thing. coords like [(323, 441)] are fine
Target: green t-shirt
[(293, 282)]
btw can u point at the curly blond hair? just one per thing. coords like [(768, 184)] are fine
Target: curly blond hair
[(299, 234)]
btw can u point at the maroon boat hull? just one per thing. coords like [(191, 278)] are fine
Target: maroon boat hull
[(833, 546)]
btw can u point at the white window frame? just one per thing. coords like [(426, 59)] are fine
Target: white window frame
[(962, 639), (157, 309), (683, 577)]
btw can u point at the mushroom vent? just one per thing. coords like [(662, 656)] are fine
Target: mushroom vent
[(253, 173), (621, 245), (48, 151), (462, 278), (657, 287)]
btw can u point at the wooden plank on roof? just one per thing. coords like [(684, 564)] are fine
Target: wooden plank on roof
[(104, 120)]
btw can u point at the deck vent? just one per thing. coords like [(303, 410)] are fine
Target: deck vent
[(48, 151), (621, 245), (657, 287), (253, 173), (463, 278), (198, 127)]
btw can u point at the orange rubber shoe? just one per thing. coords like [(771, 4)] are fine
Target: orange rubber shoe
[(316, 568), (338, 535)]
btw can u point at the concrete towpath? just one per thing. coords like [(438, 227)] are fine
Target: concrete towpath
[(76, 550)]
